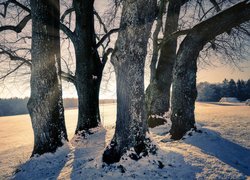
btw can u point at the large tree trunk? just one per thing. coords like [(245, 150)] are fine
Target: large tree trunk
[(184, 88), (184, 76), (87, 86), (128, 60), (88, 66), (45, 104), (158, 91)]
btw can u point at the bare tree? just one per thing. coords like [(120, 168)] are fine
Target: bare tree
[(184, 75), (177, 24), (89, 65)]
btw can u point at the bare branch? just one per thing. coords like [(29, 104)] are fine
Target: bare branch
[(216, 5), (12, 71), (68, 77), (67, 31), (14, 57), (68, 11), (100, 21), (6, 4), (20, 5), (106, 36), (18, 28)]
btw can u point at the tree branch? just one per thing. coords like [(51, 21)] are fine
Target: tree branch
[(106, 36), (100, 21), (18, 28), (68, 77), (216, 5), (15, 58), (68, 11), (20, 5), (223, 21), (6, 4), (67, 31), (12, 71)]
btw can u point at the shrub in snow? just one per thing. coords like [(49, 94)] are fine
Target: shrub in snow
[(229, 99)]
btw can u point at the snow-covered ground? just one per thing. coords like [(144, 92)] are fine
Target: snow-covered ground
[(220, 151)]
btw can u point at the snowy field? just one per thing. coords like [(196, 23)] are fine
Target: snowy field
[(221, 150)]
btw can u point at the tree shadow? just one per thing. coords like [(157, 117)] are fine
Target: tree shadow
[(86, 151), (46, 166), (88, 163), (72, 157), (234, 155)]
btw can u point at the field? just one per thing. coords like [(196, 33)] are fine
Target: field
[(221, 151)]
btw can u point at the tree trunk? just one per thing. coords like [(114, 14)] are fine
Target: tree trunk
[(184, 76), (88, 87), (158, 91), (88, 66), (184, 88), (45, 104), (128, 60)]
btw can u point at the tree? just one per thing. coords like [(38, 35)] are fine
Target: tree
[(248, 89), (232, 88), (241, 94), (128, 59), (195, 11), (45, 104), (184, 75), (158, 91), (89, 66), (225, 88)]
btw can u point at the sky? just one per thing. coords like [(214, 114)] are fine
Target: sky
[(214, 74)]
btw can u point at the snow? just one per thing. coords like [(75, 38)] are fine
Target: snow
[(219, 150), (229, 99), (247, 102)]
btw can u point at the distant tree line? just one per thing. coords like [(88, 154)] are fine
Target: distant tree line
[(13, 106), (228, 88), (16, 106)]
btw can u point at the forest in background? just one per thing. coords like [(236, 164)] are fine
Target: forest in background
[(16, 106), (208, 92)]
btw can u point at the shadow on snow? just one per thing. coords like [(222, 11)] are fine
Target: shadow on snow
[(210, 142)]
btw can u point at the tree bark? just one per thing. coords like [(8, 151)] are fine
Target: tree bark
[(128, 59), (158, 91), (45, 104), (88, 66), (184, 75)]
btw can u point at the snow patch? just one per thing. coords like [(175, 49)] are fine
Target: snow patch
[(229, 99), (247, 102)]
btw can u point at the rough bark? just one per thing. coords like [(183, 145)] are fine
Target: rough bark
[(128, 59), (158, 91), (45, 104), (184, 75), (88, 66)]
